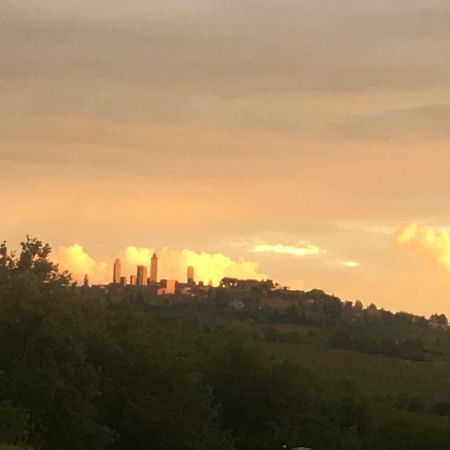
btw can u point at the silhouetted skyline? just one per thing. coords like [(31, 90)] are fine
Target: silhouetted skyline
[(256, 136)]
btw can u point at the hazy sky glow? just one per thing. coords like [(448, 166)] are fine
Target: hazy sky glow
[(297, 139)]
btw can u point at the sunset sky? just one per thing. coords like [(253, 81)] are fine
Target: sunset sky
[(307, 141)]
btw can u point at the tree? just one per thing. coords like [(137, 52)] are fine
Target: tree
[(45, 370), (358, 305), (261, 403), (34, 258), (14, 424)]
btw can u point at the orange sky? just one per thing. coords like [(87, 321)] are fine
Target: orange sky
[(255, 133)]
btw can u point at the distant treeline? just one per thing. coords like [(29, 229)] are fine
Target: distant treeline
[(82, 371), (316, 307), (355, 328)]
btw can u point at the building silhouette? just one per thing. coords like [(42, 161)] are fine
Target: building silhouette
[(141, 276), (168, 287), (117, 271), (123, 281), (86, 281), (190, 275), (132, 280), (154, 269)]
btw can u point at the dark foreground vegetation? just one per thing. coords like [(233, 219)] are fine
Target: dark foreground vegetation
[(83, 369)]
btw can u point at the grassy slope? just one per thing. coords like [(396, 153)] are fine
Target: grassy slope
[(376, 374)]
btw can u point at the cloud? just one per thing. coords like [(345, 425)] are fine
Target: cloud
[(366, 227), (427, 120), (350, 264), (407, 234), (172, 264), (208, 266), (105, 11), (78, 263), (306, 250), (136, 256), (430, 243), (220, 44)]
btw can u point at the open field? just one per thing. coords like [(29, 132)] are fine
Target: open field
[(376, 374)]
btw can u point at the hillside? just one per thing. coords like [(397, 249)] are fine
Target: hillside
[(426, 373), (234, 368)]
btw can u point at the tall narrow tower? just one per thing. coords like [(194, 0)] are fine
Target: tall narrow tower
[(154, 269), (116, 272), (190, 275), (141, 276)]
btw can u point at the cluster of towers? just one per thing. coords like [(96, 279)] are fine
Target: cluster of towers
[(141, 278)]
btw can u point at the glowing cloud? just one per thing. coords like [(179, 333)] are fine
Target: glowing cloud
[(350, 264), (306, 250), (136, 255), (407, 234), (428, 242), (212, 267), (78, 263), (172, 264)]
